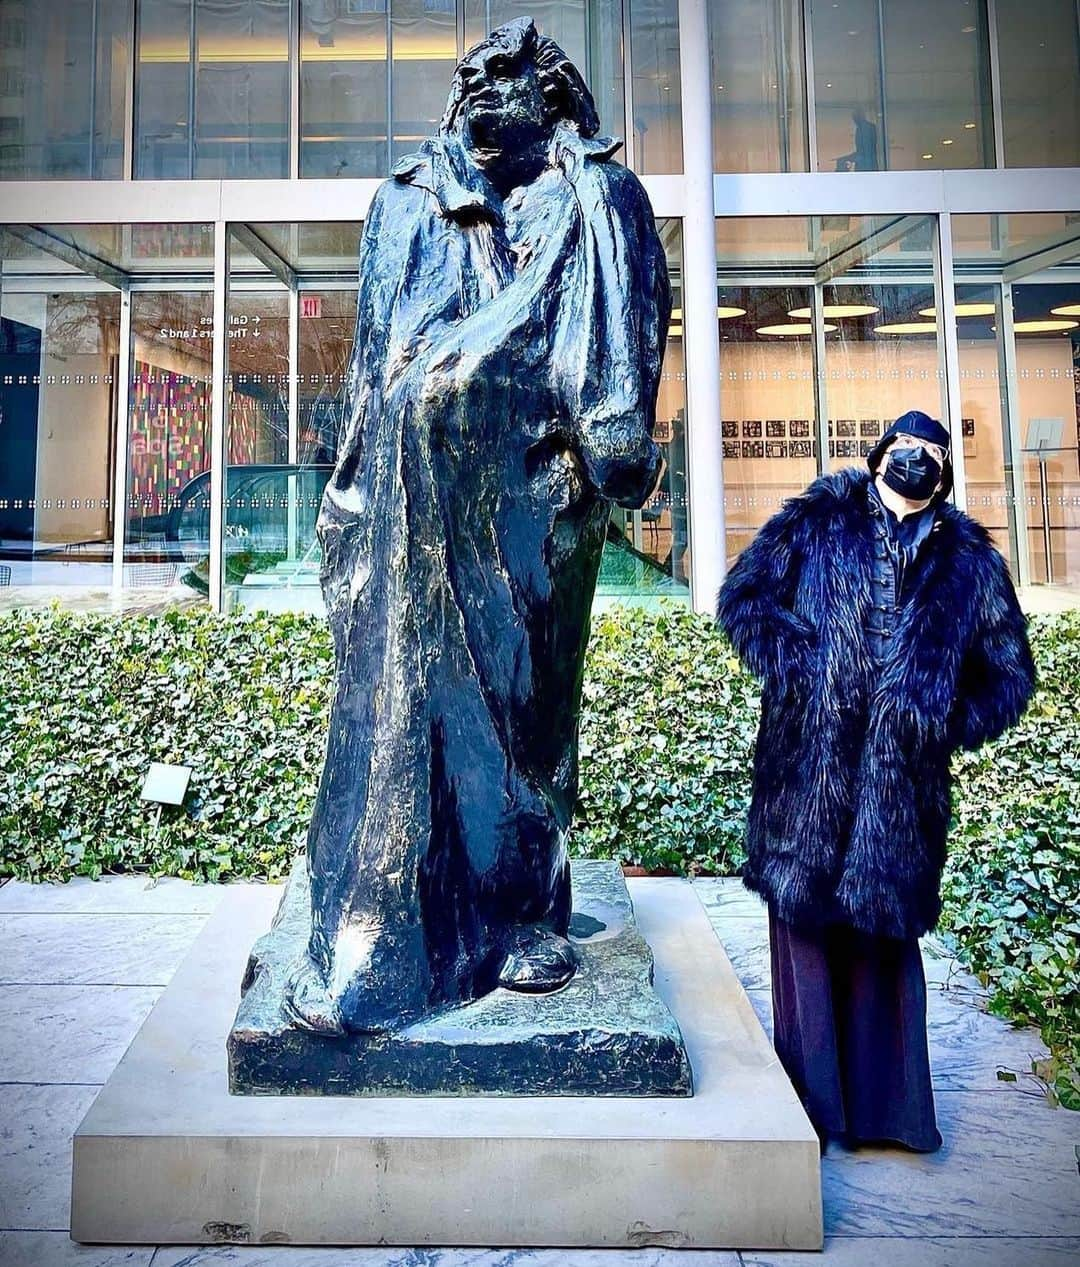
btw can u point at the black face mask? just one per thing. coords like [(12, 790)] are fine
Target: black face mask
[(912, 473)]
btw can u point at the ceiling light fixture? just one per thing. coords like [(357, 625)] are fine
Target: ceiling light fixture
[(969, 126), (1043, 327), (907, 327), (928, 156), (1066, 310), (837, 310), (794, 327), (964, 310)]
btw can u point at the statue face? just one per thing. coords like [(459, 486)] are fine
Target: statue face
[(504, 108)]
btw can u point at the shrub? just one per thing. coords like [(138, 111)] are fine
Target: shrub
[(667, 735)]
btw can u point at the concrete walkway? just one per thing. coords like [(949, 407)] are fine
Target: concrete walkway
[(82, 964)]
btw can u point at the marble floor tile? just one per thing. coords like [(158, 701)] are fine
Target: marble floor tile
[(968, 1045), (111, 895), (1004, 1251), (99, 949), (746, 943), (68, 1033), (36, 1126), (728, 895), (57, 1249), (1008, 1167), (283, 1256)]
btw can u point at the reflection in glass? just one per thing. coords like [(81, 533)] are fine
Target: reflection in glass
[(212, 89), (63, 72), (882, 361), (343, 89), (657, 109), (163, 137), (648, 550), (423, 42), (901, 84), (242, 89), (758, 96), (168, 512), (1039, 55), (1046, 322), (988, 469), (57, 404)]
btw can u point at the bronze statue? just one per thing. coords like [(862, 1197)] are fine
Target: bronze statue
[(512, 311)]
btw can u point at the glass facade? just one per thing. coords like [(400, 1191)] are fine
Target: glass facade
[(116, 387), (212, 89)]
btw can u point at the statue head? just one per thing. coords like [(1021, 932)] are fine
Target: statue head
[(510, 91)]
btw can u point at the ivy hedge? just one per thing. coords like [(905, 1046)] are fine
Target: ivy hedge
[(668, 726)]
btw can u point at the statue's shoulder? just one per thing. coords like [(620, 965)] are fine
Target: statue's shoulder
[(590, 159)]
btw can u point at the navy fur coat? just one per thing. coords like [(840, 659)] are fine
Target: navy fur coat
[(851, 797)]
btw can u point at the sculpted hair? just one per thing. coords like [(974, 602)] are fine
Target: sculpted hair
[(560, 80)]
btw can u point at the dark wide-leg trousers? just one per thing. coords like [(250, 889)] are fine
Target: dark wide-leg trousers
[(849, 1016)]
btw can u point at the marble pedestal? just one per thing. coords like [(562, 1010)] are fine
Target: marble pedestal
[(167, 1155)]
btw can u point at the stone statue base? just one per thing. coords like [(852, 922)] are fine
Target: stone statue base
[(605, 1033)]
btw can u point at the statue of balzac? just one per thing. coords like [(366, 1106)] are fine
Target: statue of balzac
[(512, 310)]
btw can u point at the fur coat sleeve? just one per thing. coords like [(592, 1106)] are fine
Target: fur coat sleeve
[(997, 676), (755, 607)]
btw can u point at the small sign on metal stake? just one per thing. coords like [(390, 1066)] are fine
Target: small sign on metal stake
[(166, 784)]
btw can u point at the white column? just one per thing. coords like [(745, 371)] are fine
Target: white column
[(217, 416), (701, 345)]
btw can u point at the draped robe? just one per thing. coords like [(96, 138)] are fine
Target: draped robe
[(501, 395)]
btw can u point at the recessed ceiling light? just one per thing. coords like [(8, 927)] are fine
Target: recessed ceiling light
[(947, 141), (966, 30), (969, 126), (853, 32), (792, 327), (1043, 326), (1066, 310), (837, 310), (828, 85), (723, 310), (964, 310), (907, 327), (928, 156)]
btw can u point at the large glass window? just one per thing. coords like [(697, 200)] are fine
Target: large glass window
[(59, 338), (1018, 328), (1039, 56), (900, 84), (758, 94), (212, 91), (656, 114), (423, 41), (648, 551), (63, 74), (764, 271), (343, 88)]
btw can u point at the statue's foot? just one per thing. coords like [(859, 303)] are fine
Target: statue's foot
[(537, 962), (308, 1002)]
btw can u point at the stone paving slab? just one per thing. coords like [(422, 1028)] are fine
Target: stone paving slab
[(1008, 1167), (36, 1126), (44, 949), (1041, 1251), (57, 1249), (111, 895), (258, 1256), (68, 1033)]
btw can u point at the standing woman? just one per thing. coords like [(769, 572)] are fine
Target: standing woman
[(887, 633)]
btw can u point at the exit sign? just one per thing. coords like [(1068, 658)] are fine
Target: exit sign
[(311, 305)]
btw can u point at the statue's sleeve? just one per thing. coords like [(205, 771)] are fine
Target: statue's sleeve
[(611, 330)]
